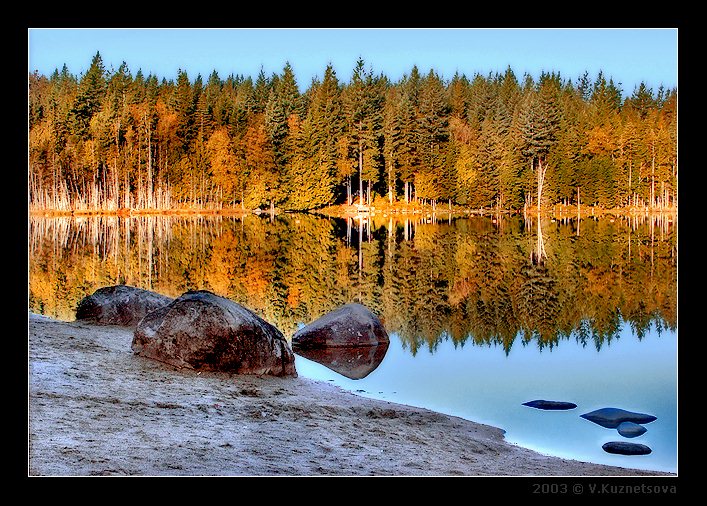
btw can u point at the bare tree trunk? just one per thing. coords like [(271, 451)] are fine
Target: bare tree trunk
[(360, 250), (630, 168), (652, 174), (348, 190), (149, 165), (360, 173), (540, 254), (541, 181), (348, 230), (390, 183), (579, 216)]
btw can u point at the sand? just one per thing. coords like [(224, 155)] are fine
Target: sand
[(97, 409)]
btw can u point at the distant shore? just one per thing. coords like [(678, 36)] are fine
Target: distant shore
[(343, 211), (97, 409)]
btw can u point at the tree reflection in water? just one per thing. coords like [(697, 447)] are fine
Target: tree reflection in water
[(471, 280)]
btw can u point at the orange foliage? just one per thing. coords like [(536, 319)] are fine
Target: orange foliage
[(293, 296), (257, 280), (167, 123), (600, 141)]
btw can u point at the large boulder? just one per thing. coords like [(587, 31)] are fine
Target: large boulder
[(201, 330), (354, 362), (611, 418), (626, 448), (119, 305), (349, 325)]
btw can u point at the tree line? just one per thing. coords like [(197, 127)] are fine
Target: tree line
[(470, 280), (110, 140)]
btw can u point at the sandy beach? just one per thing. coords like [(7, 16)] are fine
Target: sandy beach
[(97, 409)]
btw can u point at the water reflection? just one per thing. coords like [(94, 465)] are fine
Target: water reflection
[(430, 279), (355, 362)]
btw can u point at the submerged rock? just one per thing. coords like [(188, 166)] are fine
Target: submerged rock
[(630, 429), (201, 330), (625, 448), (550, 405), (354, 362), (349, 325), (611, 418), (119, 305)]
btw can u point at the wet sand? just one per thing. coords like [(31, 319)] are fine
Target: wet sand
[(97, 409)]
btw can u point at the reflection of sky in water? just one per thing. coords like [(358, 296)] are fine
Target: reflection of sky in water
[(485, 385)]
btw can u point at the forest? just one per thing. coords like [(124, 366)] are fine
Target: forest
[(109, 140), (469, 280)]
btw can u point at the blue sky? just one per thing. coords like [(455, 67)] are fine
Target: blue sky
[(629, 56)]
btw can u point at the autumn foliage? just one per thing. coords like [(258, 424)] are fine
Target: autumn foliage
[(111, 140)]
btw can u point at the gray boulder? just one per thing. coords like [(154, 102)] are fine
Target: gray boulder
[(349, 325), (201, 330), (613, 417), (550, 405), (626, 448), (119, 305), (630, 429)]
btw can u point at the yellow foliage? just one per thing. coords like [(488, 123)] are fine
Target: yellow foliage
[(223, 161), (600, 141)]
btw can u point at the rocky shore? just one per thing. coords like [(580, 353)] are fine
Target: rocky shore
[(97, 408)]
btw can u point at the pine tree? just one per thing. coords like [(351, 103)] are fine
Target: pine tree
[(356, 109), (434, 133), (183, 104), (392, 139), (92, 88), (311, 176), (409, 158), (540, 117)]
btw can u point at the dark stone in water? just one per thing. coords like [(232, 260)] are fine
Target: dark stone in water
[(630, 429), (624, 448), (611, 418), (354, 362), (550, 405)]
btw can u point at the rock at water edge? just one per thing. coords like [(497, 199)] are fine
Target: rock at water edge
[(119, 305), (201, 330), (349, 325)]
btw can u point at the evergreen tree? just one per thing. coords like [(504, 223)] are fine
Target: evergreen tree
[(92, 88), (540, 117), (434, 133), (184, 105), (392, 139), (357, 111)]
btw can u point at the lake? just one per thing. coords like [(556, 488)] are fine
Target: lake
[(484, 313)]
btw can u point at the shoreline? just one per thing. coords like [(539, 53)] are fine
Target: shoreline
[(556, 211), (97, 409)]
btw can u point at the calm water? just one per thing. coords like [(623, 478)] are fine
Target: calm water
[(484, 313)]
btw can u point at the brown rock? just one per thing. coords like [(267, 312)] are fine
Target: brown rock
[(201, 330), (349, 325), (119, 305)]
